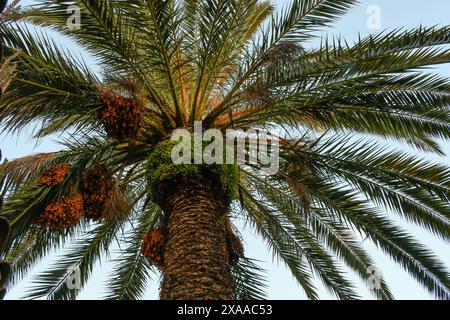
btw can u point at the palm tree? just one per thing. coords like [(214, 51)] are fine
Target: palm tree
[(230, 64)]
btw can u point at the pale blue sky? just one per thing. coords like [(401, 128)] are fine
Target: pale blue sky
[(398, 13)]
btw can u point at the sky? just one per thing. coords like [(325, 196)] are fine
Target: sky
[(281, 285)]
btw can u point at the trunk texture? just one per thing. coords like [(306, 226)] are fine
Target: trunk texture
[(195, 256)]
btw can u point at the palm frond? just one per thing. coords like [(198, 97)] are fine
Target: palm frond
[(415, 189), (52, 283), (400, 246), (336, 237), (250, 280), (50, 85), (296, 243), (129, 277)]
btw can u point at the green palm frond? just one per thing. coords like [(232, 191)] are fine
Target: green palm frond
[(416, 189), (32, 248), (285, 251), (301, 18), (108, 35), (224, 28), (405, 250), (105, 31), (294, 237), (249, 280), (50, 86), (331, 233), (131, 273), (82, 256)]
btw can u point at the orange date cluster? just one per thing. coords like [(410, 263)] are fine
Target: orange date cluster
[(55, 175), (97, 187), (152, 247), (122, 117), (62, 214)]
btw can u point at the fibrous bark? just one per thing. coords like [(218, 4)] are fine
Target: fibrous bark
[(196, 258)]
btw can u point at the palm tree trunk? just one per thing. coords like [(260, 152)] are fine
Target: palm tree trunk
[(195, 256)]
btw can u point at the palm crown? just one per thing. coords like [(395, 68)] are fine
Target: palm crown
[(230, 64)]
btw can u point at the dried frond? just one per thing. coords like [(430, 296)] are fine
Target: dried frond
[(116, 205), (257, 94), (256, 97), (11, 12), (4, 228), (14, 173), (7, 70), (120, 82), (234, 244), (284, 51)]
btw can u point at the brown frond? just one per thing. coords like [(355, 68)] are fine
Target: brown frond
[(284, 51), (7, 69), (27, 168), (257, 94), (234, 244), (11, 12), (116, 205), (121, 82)]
